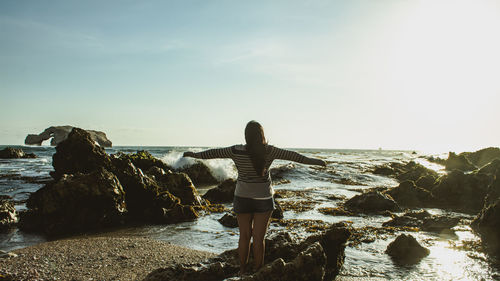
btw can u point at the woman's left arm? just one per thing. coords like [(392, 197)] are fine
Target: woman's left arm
[(211, 153)]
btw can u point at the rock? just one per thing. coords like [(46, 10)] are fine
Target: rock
[(491, 169), (383, 170), (427, 182), (406, 250), (278, 212), (439, 223), (4, 255), (79, 154), (409, 195), (14, 153), (143, 160), (418, 215), (200, 174), (414, 171), (371, 202), (8, 215), (79, 202), (318, 257), (403, 221), (487, 224), (179, 213), (180, 185), (461, 192), (436, 160), (483, 156), (229, 220), (458, 162), (60, 133), (223, 193)]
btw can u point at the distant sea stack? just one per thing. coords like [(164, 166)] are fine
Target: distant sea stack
[(60, 133)]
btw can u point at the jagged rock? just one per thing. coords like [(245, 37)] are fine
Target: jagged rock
[(491, 169), (200, 174), (462, 192), (406, 250), (403, 221), (77, 203), (179, 213), (60, 133), (439, 223), (487, 224), (409, 195), (180, 185), (458, 162), (229, 220), (418, 215), (278, 212), (371, 202), (383, 170), (318, 257), (143, 160), (483, 156), (8, 215), (223, 193), (79, 154), (427, 182), (14, 153), (413, 171)]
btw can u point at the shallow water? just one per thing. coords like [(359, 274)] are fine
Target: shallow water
[(347, 174)]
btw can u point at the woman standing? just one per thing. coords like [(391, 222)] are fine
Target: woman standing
[(253, 197)]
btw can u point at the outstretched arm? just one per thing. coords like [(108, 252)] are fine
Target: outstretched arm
[(284, 154), (211, 153), (314, 161)]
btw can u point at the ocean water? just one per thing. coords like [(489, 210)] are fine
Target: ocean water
[(347, 174)]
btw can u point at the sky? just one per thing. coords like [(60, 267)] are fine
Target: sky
[(360, 74)]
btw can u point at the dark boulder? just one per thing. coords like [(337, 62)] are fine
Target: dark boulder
[(223, 193), (8, 215), (414, 171), (461, 192), (143, 160), (383, 170), (409, 195), (406, 250), (178, 213), (200, 174), (427, 182), (487, 224), (14, 153), (458, 162), (439, 223), (403, 221), (278, 212), (483, 156), (75, 203), (229, 220), (318, 257), (491, 169), (79, 154), (180, 185), (371, 202)]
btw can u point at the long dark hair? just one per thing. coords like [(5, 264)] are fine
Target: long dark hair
[(256, 146)]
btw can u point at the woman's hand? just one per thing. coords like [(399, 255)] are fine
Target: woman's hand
[(188, 154)]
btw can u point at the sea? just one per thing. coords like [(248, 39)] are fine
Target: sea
[(347, 174)]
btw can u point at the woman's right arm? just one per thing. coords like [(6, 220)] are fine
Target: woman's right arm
[(211, 153), (283, 154)]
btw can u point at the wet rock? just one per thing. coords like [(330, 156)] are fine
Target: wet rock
[(79, 154), (200, 174), (318, 257), (436, 160), (278, 212), (14, 153), (384, 170), (418, 214), (439, 223), (8, 215), (491, 168), (76, 203), (143, 160), (403, 221), (409, 195), (458, 162), (406, 250), (414, 171), (461, 192), (223, 193), (371, 202), (60, 133), (179, 213), (180, 185), (229, 220), (483, 156)]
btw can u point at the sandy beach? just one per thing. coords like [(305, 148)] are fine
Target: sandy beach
[(96, 258)]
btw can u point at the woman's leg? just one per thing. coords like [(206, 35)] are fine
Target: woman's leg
[(260, 224), (245, 225)]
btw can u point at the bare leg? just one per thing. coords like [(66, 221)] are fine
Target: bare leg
[(245, 225), (260, 225)]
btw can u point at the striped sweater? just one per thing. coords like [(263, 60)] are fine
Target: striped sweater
[(249, 183)]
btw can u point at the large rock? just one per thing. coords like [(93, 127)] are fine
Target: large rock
[(406, 250), (75, 203), (483, 156), (439, 223), (60, 133), (319, 257), (200, 174), (371, 202), (462, 192), (458, 162), (14, 153), (409, 195), (143, 160), (229, 220), (223, 193), (79, 154), (8, 215), (414, 171), (179, 184), (491, 168)]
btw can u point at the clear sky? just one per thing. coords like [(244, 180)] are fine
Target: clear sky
[(396, 74)]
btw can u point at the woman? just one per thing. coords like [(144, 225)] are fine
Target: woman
[(253, 197)]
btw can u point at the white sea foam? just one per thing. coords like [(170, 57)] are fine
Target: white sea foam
[(221, 169)]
